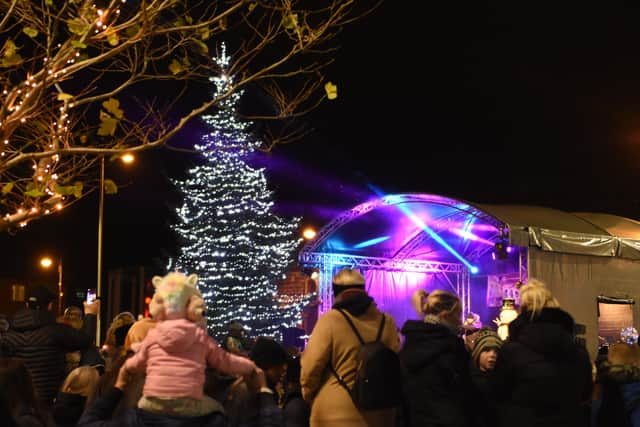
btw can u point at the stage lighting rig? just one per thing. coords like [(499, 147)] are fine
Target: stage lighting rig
[(500, 250)]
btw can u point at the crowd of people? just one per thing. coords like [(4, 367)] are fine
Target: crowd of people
[(167, 371)]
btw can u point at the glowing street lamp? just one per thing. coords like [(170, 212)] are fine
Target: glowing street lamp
[(126, 158), (309, 233), (47, 262)]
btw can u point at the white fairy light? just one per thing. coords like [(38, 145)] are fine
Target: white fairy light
[(232, 240)]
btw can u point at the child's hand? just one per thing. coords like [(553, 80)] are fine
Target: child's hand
[(256, 380), (123, 378)]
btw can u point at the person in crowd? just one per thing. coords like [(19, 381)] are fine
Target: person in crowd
[(138, 332), (24, 407), (175, 353), (235, 341), (135, 383), (250, 399), (35, 337), (113, 345), (543, 376), (438, 390), (72, 398), (4, 324), (296, 410), (485, 347), (102, 412), (617, 402), (72, 317), (334, 345), (5, 410)]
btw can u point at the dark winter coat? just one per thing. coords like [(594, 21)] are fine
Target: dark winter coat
[(67, 409), (619, 402), (247, 409), (437, 383), (543, 376), (36, 338), (486, 414), (296, 410), (99, 415)]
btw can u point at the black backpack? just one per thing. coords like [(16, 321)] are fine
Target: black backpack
[(378, 383)]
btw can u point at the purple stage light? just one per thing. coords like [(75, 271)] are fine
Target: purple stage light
[(470, 236)]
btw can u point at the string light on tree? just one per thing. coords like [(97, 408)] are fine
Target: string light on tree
[(230, 238)]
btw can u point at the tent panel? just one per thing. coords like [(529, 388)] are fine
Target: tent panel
[(577, 281)]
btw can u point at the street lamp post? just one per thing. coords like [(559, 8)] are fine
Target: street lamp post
[(46, 262), (126, 158), (99, 278)]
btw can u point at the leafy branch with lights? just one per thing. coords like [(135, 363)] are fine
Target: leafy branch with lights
[(230, 237), (70, 73)]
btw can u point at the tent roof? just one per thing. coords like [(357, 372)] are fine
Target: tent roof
[(432, 227)]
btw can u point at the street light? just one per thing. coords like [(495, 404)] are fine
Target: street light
[(47, 262), (309, 233), (127, 158)]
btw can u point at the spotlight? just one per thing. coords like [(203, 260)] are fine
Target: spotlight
[(500, 250)]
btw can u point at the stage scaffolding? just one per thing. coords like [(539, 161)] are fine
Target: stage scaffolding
[(455, 275)]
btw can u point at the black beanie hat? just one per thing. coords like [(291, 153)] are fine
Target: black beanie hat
[(40, 296), (267, 353)]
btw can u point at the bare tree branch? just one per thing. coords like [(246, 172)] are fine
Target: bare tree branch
[(75, 75)]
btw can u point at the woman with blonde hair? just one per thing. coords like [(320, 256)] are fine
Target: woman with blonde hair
[(437, 381), (543, 375), (72, 398)]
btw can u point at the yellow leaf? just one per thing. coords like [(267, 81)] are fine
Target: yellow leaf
[(252, 6), (6, 189), (77, 26), (31, 32), (64, 190), (10, 61), (175, 67), (78, 44), (9, 49), (223, 23), (64, 97), (204, 33), (110, 187), (202, 45), (290, 21), (77, 189), (188, 19), (107, 125), (112, 106), (34, 193), (113, 39), (48, 2), (331, 90)]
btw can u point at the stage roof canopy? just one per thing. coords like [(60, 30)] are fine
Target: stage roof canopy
[(429, 227)]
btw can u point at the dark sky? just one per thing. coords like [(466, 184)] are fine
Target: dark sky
[(492, 102)]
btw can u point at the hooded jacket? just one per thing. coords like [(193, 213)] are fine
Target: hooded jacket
[(542, 375), (175, 354), (619, 402), (36, 338), (334, 342), (437, 381)]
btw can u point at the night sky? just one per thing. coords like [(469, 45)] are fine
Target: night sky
[(491, 103)]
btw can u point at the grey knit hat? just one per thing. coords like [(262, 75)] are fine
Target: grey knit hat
[(486, 340)]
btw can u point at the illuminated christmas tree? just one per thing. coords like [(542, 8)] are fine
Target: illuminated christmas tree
[(230, 237)]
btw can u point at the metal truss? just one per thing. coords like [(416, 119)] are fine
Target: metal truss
[(385, 264), (395, 199)]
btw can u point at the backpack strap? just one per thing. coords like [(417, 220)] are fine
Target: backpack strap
[(381, 328), (353, 327), (355, 330)]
